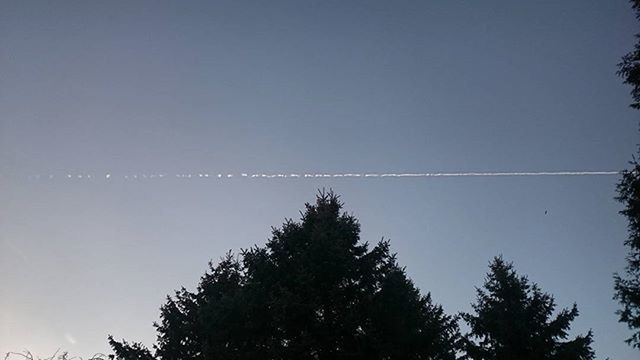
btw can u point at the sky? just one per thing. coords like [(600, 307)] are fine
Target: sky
[(189, 87)]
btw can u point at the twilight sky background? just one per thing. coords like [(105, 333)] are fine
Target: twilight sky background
[(126, 87)]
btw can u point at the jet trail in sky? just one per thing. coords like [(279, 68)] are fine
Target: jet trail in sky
[(110, 176)]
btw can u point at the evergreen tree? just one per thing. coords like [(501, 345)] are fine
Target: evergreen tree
[(514, 320), (627, 288), (315, 291), (629, 68)]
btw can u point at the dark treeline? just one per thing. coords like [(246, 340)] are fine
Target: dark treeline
[(316, 291)]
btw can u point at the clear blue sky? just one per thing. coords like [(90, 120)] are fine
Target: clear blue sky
[(295, 86)]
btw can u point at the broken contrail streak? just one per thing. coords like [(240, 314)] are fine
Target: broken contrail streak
[(309, 175), (393, 175)]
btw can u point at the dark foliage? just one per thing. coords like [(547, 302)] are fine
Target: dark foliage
[(134, 351), (627, 288), (514, 320), (315, 291), (629, 68)]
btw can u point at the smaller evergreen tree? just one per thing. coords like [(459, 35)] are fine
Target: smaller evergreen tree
[(514, 320)]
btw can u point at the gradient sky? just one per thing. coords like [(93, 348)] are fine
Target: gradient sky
[(128, 87)]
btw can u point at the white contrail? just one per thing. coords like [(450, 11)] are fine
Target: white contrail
[(109, 176), (528, 173)]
